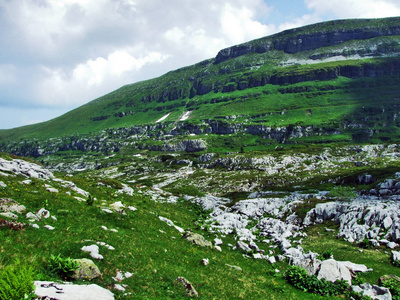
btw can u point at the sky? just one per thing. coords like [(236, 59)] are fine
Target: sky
[(56, 55)]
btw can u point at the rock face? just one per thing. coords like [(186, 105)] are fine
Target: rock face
[(187, 146), (362, 218), (24, 168), (304, 39), (87, 270), (67, 291)]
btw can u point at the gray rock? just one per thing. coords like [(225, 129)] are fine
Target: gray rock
[(24, 168), (285, 244), (170, 223), (87, 270), (190, 290), (32, 217), (197, 239), (93, 250), (206, 157), (387, 223), (10, 205), (333, 270), (234, 267), (392, 245), (375, 292), (396, 256), (243, 247), (9, 215), (43, 213), (272, 259), (68, 291)]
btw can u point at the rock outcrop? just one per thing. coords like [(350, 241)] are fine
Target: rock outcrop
[(305, 39), (68, 291)]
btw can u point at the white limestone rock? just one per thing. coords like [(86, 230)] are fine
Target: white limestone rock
[(93, 250), (24, 168), (69, 291), (374, 291), (170, 223)]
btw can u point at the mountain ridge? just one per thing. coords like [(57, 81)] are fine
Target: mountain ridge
[(329, 79)]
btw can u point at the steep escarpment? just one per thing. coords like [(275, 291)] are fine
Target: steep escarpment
[(312, 37)]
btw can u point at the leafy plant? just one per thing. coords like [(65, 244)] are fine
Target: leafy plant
[(327, 254), (62, 266), (90, 200), (299, 278), (344, 193), (394, 286), (16, 282)]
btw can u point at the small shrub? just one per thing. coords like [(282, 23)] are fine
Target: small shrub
[(189, 190), (344, 193), (299, 278), (114, 183), (327, 254), (365, 244), (16, 282), (62, 266), (394, 286), (90, 201), (358, 279)]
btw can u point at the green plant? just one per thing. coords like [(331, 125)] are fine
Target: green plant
[(299, 278), (365, 244), (344, 193), (327, 254), (62, 266), (16, 282), (90, 200), (394, 286)]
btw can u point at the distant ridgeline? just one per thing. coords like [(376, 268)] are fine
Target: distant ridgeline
[(329, 82)]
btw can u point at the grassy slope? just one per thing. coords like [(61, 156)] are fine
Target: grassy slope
[(154, 252), (129, 97)]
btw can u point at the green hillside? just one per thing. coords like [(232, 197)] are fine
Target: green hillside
[(343, 76)]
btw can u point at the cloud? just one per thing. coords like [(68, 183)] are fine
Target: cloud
[(355, 8), (60, 88)]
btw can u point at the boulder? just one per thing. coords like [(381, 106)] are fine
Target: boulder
[(9, 215), (87, 270), (69, 291), (190, 290), (243, 247), (374, 291), (385, 278), (10, 205), (333, 270), (396, 256), (197, 239), (32, 217)]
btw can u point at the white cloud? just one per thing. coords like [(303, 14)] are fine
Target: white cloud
[(356, 8), (7, 74), (239, 24), (92, 78)]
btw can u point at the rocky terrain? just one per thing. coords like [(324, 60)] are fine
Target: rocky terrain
[(266, 226)]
